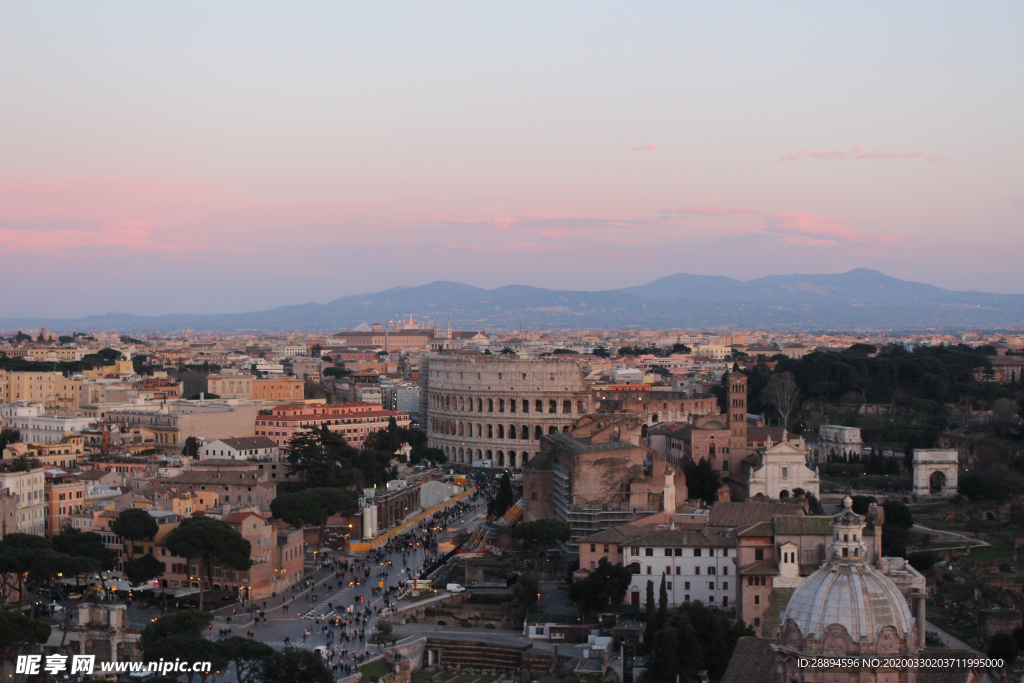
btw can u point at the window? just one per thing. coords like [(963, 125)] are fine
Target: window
[(668, 552), (686, 586), (634, 551), (759, 554), (668, 585), (648, 569), (711, 571), (649, 552), (711, 585), (757, 599), (679, 552), (593, 548), (679, 570), (757, 621), (592, 565), (725, 585), (696, 570), (696, 552), (606, 548), (725, 570), (785, 472)]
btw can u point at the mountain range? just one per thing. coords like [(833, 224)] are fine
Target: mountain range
[(859, 300)]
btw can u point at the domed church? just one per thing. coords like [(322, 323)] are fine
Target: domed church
[(847, 608)]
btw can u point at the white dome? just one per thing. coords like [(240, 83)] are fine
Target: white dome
[(854, 595)]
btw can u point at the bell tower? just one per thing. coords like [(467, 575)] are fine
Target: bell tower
[(737, 384)]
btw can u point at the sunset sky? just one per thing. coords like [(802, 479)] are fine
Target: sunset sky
[(216, 157)]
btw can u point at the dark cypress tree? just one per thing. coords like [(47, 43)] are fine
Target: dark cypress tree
[(652, 623), (662, 604)]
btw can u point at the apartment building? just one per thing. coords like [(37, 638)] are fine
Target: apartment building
[(354, 420), (29, 487)]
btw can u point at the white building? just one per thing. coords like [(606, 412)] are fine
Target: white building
[(29, 488), (697, 565), (776, 472), (45, 428), (835, 441), (242, 448)]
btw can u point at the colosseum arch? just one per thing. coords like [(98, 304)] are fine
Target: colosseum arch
[(462, 429), (511, 431), (501, 431), (501, 458), (525, 433), (512, 459), (538, 432), (552, 430)]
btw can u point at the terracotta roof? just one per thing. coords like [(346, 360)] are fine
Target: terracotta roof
[(762, 433), (759, 529), (736, 515), (802, 525), (752, 661), (761, 568)]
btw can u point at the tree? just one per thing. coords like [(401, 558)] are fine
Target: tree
[(293, 665), (971, 486), (181, 636), (526, 590), (601, 352), (702, 480), (782, 393), (7, 437), (542, 533), (88, 545), (17, 630), (503, 499), (135, 524), (191, 447), (209, 540), (319, 457), (862, 504), (383, 629), (144, 569), (897, 514), (923, 560), (313, 507), (664, 667), (1003, 646), (18, 552), (652, 624), (246, 654), (606, 585), (662, 603)]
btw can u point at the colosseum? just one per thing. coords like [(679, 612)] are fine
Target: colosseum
[(491, 411)]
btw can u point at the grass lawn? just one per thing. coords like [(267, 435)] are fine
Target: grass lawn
[(994, 553), (375, 669)]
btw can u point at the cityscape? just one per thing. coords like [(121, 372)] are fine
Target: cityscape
[(511, 343)]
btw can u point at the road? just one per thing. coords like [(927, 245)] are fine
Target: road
[(334, 595)]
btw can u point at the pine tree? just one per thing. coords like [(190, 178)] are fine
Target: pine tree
[(652, 625), (662, 604)]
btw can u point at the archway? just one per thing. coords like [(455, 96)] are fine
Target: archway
[(512, 459), (501, 458), (937, 482), (783, 495)]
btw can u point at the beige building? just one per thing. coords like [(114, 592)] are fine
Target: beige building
[(238, 386), (278, 390), (55, 354), (52, 389), (493, 410), (30, 489), (172, 424)]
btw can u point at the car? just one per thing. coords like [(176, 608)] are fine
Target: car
[(54, 607), (320, 651), (75, 596), (455, 588)]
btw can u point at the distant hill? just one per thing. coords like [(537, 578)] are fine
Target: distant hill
[(860, 299)]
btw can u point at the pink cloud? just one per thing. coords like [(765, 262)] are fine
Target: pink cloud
[(802, 227), (502, 224), (795, 156), (131, 235), (643, 148), (555, 233), (881, 154)]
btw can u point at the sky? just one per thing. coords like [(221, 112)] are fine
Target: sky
[(204, 157)]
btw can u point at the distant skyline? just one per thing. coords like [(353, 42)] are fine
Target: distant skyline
[(206, 158)]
